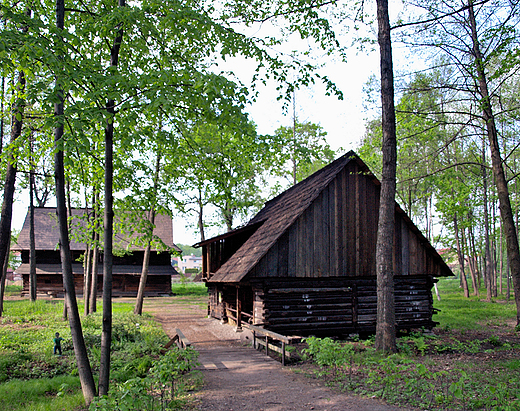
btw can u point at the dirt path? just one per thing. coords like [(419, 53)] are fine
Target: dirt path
[(236, 377)]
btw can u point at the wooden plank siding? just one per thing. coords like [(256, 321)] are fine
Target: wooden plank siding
[(123, 285), (320, 243), (349, 305)]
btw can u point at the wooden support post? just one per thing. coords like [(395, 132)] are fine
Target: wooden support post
[(239, 312), (224, 318), (283, 353), (266, 345)]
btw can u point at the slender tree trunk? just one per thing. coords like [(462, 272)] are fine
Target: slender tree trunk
[(138, 309), (489, 269), (87, 283), (32, 240), (3, 277), (6, 213), (474, 259), (85, 372), (95, 256), (460, 256), (106, 335), (94, 284), (470, 263), (87, 267), (386, 323), (498, 170), (201, 216)]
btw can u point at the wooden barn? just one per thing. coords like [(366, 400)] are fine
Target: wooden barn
[(126, 266), (305, 264)]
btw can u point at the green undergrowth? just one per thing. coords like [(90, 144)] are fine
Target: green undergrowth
[(417, 380), (470, 362), (46, 381)]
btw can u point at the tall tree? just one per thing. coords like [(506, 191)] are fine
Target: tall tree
[(386, 326), (84, 370), (10, 177), (488, 117), (106, 336)]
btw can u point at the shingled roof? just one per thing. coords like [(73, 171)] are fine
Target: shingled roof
[(277, 216), (280, 213), (47, 235)]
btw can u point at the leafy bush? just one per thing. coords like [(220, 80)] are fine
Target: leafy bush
[(161, 386)]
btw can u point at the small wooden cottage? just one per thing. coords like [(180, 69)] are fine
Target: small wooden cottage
[(126, 265), (305, 264)]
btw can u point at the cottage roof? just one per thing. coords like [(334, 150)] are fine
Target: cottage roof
[(282, 211), (47, 235), (276, 217)]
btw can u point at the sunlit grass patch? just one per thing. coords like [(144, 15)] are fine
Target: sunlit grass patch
[(43, 394), (458, 312)]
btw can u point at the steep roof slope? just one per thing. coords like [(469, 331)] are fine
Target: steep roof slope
[(277, 216), (47, 235), (281, 212)]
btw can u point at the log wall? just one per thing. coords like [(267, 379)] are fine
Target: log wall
[(123, 285), (330, 307)]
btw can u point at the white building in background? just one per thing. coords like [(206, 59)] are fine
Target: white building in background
[(188, 261)]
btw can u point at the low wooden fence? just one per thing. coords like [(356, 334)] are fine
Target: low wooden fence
[(179, 339), (261, 337)]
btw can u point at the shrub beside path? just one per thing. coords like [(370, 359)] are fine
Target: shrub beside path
[(236, 377)]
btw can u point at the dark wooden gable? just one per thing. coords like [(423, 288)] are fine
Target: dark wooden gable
[(336, 236), (326, 226)]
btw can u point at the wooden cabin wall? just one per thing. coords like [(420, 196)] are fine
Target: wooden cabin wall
[(123, 285), (336, 236), (346, 305)]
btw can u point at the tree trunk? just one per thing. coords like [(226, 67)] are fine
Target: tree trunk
[(87, 275), (87, 267), (84, 371), (95, 257), (470, 263), (498, 170), (32, 240), (386, 326), (94, 284), (6, 214), (460, 256), (201, 218), (488, 263), (106, 335), (138, 309)]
